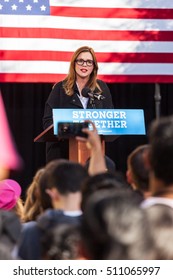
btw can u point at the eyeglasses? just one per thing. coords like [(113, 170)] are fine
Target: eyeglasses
[(88, 62)]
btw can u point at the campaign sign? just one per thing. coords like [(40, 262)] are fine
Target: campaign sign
[(107, 121)]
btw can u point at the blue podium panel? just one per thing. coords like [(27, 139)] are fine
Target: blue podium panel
[(107, 121)]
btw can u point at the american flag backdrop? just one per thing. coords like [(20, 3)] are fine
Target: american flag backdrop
[(133, 39)]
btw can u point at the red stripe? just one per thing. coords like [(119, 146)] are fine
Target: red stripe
[(122, 35), (52, 78), (31, 78), (137, 78), (101, 57), (36, 55), (112, 12)]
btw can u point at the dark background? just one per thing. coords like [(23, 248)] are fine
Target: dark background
[(24, 104)]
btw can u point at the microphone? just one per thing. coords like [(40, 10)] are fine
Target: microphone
[(86, 92)]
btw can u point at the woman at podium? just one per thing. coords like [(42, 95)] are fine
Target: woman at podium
[(80, 89)]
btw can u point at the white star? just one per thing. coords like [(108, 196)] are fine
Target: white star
[(35, 1), (29, 7), (14, 7), (1, 6), (21, 1), (6, 0), (43, 8)]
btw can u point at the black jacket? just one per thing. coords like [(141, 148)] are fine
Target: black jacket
[(59, 99)]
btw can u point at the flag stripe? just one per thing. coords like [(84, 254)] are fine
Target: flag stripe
[(112, 12), (137, 78), (94, 35), (102, 57), (113, 3), (70, 23), (52, 78), (99, 46), (62, 67)]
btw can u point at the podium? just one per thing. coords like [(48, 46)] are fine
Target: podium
[(110, 124), (78, 152)]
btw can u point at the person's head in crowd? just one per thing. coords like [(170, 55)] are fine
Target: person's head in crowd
[(61, 184), (161, 226), (10, 229), (161, 156), (138, 170), (115, 227), (32, 205), (62, 181), (103, 181), (77, 62), (10, 192), (62, 243)]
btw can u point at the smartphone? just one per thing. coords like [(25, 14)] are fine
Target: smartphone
[(70, 129)]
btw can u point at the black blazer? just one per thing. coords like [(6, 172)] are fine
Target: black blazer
[(59, 99)]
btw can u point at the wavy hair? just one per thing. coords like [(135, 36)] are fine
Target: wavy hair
[(32, 205), (69, 81)]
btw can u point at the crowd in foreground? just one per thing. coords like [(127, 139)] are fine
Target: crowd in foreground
[(94, 212)]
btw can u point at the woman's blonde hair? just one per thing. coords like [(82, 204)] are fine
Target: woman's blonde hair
[(19, 209), (32, 205), (69, 81)]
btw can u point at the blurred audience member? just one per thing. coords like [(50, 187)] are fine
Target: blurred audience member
[(10, 197), (103, 181), (115, 227), (160, 158), (10, 192), (32, 205), (62, 243), (61, 181), (10, 229), (161, 226), (138, 170)]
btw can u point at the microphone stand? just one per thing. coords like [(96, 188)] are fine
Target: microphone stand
[(157, 97), (92, 102)]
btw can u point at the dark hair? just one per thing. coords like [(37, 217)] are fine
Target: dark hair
[(161, 151), (137, 166), (103, 181), (64, 175)]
